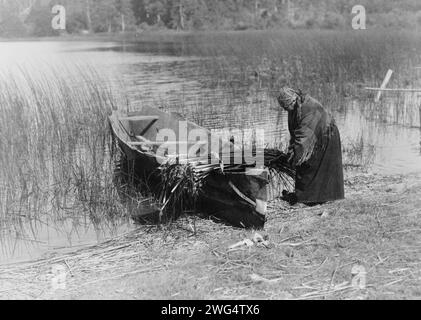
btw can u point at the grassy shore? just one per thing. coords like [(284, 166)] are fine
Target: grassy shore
[(310, 255)]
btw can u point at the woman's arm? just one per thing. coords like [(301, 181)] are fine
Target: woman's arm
[(304, 137)]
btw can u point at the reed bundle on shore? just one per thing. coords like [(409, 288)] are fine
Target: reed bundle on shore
[(183, 183), (281, 171)]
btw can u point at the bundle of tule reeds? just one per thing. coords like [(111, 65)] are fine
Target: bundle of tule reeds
[(182, 183), (278, 164)]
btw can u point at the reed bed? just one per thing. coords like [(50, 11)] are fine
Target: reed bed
[(54, 146), (247, 69), (319, 62)]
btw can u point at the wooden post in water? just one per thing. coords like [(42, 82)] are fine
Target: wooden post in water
[(384, 84)]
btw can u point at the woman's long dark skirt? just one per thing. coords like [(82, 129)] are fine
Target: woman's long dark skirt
[(321, 179)]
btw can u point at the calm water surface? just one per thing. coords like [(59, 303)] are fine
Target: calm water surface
[(156, 75)]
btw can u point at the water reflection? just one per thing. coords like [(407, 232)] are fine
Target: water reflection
[(33, 238)]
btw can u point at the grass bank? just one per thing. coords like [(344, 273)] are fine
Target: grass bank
[(311, 254)]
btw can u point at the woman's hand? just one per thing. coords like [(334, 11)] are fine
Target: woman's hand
[(290, 159)]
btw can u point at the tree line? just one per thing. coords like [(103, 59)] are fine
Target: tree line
[(33, 17)]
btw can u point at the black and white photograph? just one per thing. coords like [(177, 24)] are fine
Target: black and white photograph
[(220, 152)]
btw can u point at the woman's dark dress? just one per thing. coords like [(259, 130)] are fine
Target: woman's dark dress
[(317, 156)]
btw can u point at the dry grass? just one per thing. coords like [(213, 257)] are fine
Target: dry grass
[(311, 254)]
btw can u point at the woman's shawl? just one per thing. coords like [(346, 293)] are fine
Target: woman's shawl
[(310, 128)]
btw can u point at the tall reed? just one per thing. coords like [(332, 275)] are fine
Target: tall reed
[(54, 146), (327, 64)]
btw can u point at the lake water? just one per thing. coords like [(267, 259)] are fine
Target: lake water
[(156, 75)]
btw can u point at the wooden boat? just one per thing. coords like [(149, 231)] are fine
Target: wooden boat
[(237, 196)]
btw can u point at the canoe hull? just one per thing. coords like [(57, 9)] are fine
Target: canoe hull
[(231, 197)]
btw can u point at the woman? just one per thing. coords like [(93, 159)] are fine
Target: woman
[(314, 150)]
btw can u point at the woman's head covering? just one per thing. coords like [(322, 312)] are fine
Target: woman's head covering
[(289, 97)]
